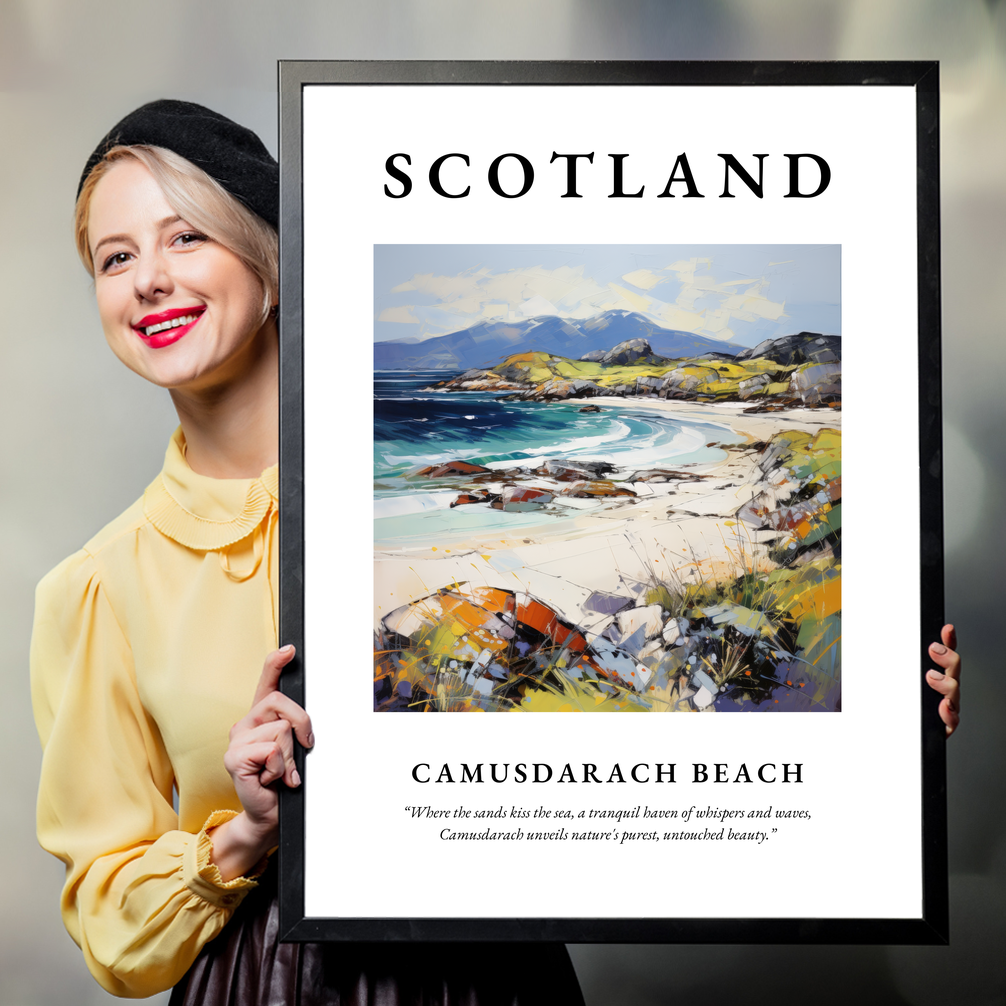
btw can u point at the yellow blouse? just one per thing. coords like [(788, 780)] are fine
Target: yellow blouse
[(147, 647)]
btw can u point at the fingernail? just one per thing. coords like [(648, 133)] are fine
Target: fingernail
[(310, 740), (938, 648), (936, 675), (295, 777), (287, 649)]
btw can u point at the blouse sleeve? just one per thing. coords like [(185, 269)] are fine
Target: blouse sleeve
[(141, 898)]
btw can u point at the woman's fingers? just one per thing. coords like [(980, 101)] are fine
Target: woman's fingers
[(260, 761), (274, 735), (270, 703), (949, 710), (946, 681), (947, 686), (945, 655), (271, 671), (949, 636), (261, 749), (274, 766), (277, 706)]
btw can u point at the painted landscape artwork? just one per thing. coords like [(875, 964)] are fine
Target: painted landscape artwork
[(607, 478)]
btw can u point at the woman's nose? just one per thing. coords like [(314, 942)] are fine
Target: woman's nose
[(152, 277)]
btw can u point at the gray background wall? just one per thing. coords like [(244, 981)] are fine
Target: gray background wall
[(82, 436)]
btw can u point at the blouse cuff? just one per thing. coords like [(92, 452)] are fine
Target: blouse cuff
[(202, 876)]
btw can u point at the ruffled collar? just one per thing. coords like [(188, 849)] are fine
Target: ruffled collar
[(203, 513)]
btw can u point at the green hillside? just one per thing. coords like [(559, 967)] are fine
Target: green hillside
[(716, 379)]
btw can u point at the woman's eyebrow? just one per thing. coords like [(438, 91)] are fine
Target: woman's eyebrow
[(160, 225), (109, 240)]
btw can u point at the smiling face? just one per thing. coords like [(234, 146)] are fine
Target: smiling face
[(177, 307)]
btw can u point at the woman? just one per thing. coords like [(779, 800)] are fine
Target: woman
[(149, 642)]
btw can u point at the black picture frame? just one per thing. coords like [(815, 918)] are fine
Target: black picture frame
[(931, 927)]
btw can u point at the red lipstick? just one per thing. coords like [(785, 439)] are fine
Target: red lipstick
[(166, 327)]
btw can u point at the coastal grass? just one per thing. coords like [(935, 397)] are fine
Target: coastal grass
[(715, 378), (792, 611)]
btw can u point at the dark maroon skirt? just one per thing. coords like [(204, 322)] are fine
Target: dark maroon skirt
[(246, 965)]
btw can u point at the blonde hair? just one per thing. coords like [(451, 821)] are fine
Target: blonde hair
[(199, 200)]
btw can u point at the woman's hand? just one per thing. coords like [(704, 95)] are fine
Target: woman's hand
[(260, 753), (947, 682)]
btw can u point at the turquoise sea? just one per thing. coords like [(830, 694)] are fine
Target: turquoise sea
[(415, 427)]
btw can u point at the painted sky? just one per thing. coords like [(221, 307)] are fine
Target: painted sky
[(735, 293)]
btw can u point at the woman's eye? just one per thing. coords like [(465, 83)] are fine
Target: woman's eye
[(190, 238), (114, 261)]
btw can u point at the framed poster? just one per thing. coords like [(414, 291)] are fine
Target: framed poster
[(586, 324)]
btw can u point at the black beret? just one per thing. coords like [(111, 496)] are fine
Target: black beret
[(230, 154)]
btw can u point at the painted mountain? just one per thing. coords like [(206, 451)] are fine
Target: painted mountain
[(488, 342)]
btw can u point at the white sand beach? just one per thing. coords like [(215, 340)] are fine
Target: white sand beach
[(677, 530)]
